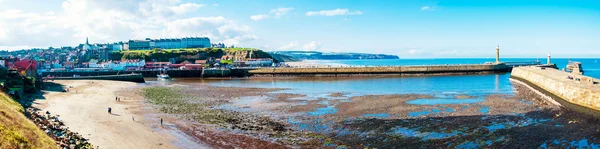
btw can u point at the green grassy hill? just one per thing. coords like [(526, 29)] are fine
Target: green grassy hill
[(16, 131)]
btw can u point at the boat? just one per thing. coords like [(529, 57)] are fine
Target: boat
[(163, 76)]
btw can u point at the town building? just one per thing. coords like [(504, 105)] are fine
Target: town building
[(139, 44), (171, 43), (259, 62), (218, 45)]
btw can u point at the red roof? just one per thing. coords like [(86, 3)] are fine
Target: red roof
[(157, 63), (25, 64)]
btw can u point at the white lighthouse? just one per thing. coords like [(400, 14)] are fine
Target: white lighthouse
[(549, 62), (497, 53)]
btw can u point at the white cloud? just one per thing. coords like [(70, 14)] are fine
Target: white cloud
[(427, 8), (289, 46), (281, 11), (274, 13), (114, 20), (216, 28), (185, 8), (334, 12), (259, 17), (313, 45)]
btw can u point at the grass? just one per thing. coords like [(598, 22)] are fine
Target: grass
[(16, 131), (173, 102)]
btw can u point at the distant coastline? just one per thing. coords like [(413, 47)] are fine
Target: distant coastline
[(286, 56)]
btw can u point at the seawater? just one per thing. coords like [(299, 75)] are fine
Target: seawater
[(437, 85), (591, 66), (474, 85)]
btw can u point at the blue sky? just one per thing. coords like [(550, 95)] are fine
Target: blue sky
[(408, 28)]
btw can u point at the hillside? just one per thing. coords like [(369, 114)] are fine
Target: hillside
[(315, 55), (282, 58), (16, 131), (189, 54)]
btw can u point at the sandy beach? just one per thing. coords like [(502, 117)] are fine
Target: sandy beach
[(84, 110)]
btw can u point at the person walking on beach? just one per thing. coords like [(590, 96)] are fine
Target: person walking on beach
[(109, 110), (161, 120), (116, 98)]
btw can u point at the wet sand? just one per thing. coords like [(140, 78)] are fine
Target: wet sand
[(229, 117), (84, 110), (517, 120)]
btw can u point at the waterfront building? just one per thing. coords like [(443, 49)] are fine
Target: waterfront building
[(93, 64), (192, 67), (259, 62), (178, 43), (155, 65)]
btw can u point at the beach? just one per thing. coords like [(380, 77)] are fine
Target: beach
[(200, 115), (84, 110)]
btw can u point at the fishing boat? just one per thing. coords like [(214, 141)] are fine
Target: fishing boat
[(163, 76)]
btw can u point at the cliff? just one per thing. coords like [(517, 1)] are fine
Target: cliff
[(315, 55), (16, 131)]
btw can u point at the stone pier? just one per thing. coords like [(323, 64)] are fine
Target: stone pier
[(391, 70), (575, 92)]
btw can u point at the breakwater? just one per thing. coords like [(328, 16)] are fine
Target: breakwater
[(574, 92), (144, 73), (390, 70), (138, 78)]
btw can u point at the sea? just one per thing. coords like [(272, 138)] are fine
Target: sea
[(475, 85), (444, 89)]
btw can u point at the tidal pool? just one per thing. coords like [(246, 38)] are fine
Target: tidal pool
[(443, 101)]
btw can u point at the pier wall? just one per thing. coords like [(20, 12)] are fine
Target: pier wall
[(367, 71), (145, 73), (138, 78), (575, 95)]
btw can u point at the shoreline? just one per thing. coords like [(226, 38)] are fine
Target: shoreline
[(83, 109), (238, 117)]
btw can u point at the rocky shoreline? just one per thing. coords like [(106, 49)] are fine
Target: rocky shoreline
[(56, 129)]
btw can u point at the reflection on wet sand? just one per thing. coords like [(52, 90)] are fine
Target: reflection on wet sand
[(430, 121), (395, 113)]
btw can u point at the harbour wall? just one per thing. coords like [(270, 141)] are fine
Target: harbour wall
[(138, 78), (144, 73), (370, 71), (581, 95)]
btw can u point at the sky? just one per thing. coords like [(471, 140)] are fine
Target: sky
[(407, 28)]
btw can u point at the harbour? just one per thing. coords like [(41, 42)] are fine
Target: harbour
[(360, 74)]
